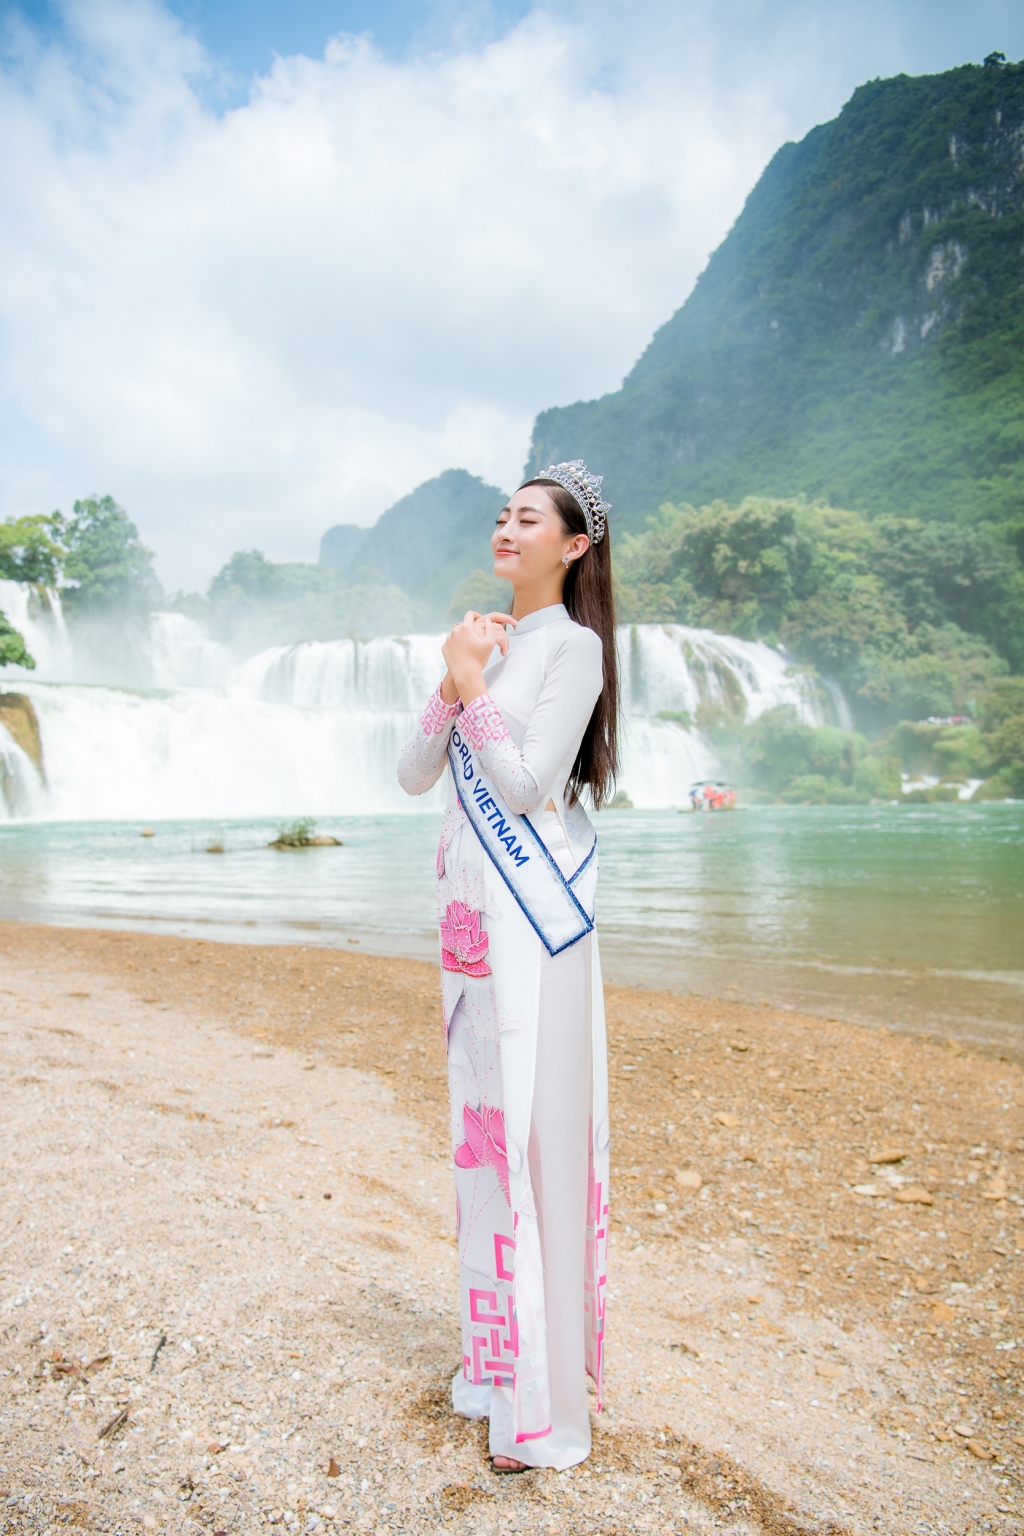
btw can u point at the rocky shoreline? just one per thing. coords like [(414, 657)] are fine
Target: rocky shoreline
[(240, 1151)]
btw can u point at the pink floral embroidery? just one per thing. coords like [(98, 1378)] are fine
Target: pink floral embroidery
[(481, 722), (484, 1146), (438, 715), (463, 944)]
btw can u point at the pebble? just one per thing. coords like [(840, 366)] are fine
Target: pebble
[(914, 1194), (786, 1205)]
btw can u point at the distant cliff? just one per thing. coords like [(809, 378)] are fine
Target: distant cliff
[(427, 544), (859, 334)]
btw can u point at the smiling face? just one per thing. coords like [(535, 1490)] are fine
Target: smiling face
[(531, 541)]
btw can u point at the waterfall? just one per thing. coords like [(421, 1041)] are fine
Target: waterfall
[(670, 668), (182, 655), (353, 677), (37, 614), (315, 728)]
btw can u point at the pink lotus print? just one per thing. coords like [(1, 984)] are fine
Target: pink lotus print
[(484, 1146), (463, 945)]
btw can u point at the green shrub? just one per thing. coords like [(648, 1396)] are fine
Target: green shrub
[(877, 775), (933, 794), (777, 749), (13, 651), (961, 752), (808, 789), (1002, 728), (816, 789), (296, 834)]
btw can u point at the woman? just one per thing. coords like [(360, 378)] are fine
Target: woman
[(526, 722)]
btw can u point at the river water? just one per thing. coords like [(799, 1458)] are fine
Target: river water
[(906, 915), (910, 916)]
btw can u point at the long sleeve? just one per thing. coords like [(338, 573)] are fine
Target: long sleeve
[(423, 758), (573, 680)]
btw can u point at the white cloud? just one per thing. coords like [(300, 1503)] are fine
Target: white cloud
[(248, 326)]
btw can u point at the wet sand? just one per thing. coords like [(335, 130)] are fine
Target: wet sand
[(808, 1341)]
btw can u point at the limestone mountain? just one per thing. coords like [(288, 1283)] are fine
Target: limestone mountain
[(427, 544), (859, 334)]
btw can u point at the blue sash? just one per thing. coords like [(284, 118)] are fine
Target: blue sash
[(560, 911)]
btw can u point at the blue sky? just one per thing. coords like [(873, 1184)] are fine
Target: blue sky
[(883, 38), (266, 266), (927, 34), (244, 35), (248, 34)]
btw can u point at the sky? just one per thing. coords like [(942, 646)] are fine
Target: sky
[(266, 265)]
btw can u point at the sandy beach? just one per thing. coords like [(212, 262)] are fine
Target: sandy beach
[(227, 1275)]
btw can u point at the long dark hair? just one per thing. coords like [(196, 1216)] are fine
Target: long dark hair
[(590, 600)]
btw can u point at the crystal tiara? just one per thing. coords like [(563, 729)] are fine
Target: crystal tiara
[(585, 489)]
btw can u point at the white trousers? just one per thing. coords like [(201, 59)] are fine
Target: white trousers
[(559, 1163)]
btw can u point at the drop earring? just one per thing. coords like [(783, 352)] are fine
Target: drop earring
[(566, 561)]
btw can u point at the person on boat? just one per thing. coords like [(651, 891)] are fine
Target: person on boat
[(524, 724)]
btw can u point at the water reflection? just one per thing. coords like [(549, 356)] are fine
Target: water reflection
[(907, 916)]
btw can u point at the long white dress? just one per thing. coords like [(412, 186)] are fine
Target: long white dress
[(527, 1058)]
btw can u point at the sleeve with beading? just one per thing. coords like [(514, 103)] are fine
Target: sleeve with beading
[(572, 683), (423, 758)]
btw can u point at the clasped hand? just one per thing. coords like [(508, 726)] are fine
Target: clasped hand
[(467, 651)]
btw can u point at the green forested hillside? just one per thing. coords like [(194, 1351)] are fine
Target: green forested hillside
[(427, 544), (858, 336), (920, 622), (912, 618)]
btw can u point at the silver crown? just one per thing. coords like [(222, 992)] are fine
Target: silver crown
[(585, 489)]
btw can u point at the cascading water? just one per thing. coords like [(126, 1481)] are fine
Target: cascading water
[(315, 729), (182, 655), (669, 668), (37, 614)]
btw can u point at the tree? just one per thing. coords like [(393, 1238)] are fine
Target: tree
[(256, 602), (480, 591), (13, 652), (941, 573), (248, 576), (732, 569), (1002, 726), (27, 550), (106, 563), (245, 589), (913, 618)]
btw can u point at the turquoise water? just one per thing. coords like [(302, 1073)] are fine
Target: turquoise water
[(912, 916)]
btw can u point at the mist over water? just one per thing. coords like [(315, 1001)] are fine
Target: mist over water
[(174, 725)]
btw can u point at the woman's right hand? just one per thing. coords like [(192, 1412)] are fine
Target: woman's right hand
[(470, 643), (468, 648)]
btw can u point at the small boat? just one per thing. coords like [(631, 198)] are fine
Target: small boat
[(712, 795)]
